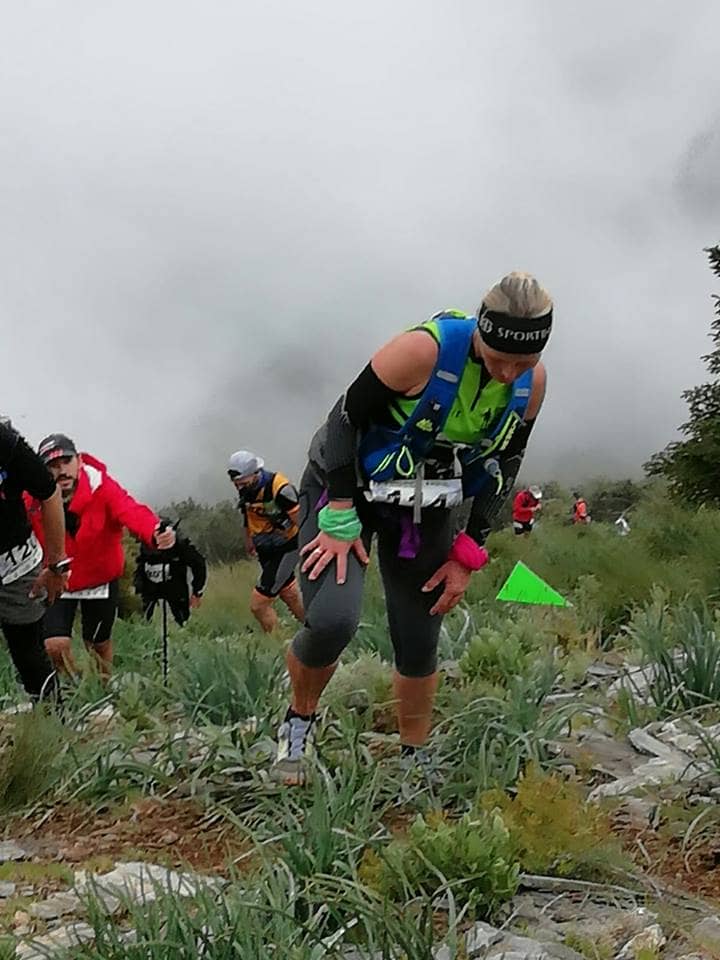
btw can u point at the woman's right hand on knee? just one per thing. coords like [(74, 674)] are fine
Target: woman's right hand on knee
[(323, 549)]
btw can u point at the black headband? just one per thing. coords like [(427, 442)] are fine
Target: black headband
[(508, 334)]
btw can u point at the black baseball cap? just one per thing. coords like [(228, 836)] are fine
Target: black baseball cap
[(56, 445)]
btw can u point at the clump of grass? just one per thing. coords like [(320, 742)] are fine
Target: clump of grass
[(589, 947), (7, 948), (267, 913), (33, 759), (473, 858), (225, 682), (23, 871), (339, 817), (361, 684), (138, 699), (491, 740), (681, 645)]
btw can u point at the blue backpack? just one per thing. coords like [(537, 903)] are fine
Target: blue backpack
[(389, 453)]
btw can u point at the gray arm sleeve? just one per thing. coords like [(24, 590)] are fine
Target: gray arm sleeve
[(340, 448)]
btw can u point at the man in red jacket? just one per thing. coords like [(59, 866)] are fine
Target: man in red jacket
[(525, 506), (97, 509)]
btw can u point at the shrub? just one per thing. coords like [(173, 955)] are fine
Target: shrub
[(554, 830), (474, 858), (495, 655), (360, 684)]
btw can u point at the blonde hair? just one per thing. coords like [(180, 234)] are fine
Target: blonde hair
[(518, 295)]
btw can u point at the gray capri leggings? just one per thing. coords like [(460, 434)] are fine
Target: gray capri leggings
[(332, 610)]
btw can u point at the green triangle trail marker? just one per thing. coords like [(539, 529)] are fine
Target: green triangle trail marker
[(524, 586)]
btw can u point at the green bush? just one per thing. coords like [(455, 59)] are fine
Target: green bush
[(496, 655), (554, 830), (474, 858)]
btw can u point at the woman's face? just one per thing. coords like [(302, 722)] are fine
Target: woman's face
[(503, 367)]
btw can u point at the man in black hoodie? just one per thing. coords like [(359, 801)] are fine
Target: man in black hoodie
[(177, 575)]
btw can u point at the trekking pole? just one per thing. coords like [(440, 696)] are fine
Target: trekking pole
[(165, 650)]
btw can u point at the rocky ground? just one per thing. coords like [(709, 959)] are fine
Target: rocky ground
[(63, 864)]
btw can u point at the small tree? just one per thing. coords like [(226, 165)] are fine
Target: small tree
[(691, 467)]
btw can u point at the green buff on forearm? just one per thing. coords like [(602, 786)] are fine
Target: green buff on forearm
[(340, 524)]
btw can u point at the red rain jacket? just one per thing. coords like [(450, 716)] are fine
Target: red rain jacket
[(103, 509), (580, 511), (523, 505)]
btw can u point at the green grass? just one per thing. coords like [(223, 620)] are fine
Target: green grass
[(32, 760), (227, 681), (681, 642)]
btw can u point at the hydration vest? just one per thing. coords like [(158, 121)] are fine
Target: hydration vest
[(267, 523), (398, 453)]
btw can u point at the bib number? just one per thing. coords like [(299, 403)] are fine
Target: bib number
[(157, 572), (401, 493), (91, 593), (18, 561)]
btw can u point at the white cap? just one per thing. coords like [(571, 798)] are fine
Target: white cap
[(245, 463), (536, 492)]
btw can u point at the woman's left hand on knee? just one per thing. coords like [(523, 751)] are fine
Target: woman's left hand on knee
[(323, 549), (455, 578)]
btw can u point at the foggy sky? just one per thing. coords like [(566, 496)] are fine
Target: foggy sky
[(213, 213)]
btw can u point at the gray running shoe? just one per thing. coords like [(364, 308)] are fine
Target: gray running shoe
[(295, 749)]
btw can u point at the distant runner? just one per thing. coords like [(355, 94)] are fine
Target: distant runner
[(177, 575), (97, 509), (525, 505), (581, 515), (269, 506), (23, 581), (442, 413), (622, 526)]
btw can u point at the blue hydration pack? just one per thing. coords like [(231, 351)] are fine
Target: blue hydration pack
[(389, 453)]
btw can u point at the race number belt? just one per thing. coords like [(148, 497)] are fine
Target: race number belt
[(17, 561), (101, 592), (404, 493)]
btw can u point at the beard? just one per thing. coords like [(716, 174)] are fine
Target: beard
[(67, 492)]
